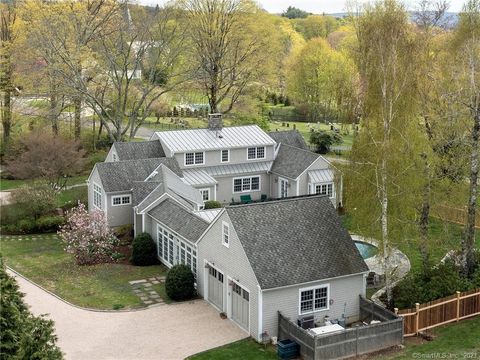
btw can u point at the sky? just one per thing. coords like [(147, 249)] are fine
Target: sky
[(316, 6)]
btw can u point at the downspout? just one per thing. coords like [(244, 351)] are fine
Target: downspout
[(260, 313)]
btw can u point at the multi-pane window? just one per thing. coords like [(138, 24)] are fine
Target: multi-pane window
[(97, 196), (225, 234), (205, 194), (313, 299), (324, 189), (225, 156), (172, 251), (246, 184), (121, 200), (256, 153), (196, 158)]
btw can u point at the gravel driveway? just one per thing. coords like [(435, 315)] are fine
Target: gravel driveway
[(161, 332)]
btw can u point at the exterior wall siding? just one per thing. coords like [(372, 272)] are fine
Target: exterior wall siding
[(121, 214), (212, 158), (233, 263), (345, 290), (225, 188), (109, 157)]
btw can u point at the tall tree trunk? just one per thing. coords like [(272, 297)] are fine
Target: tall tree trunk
[(423, 222), (77, 103), (7, 110), (385, 237), (468, 259), (54, 110)]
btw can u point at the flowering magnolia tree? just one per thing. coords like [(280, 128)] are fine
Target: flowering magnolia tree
[(87, 236)]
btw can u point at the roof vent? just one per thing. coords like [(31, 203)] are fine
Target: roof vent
[(215, 122)]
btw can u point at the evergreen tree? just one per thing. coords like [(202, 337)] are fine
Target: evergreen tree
[(23, 336)]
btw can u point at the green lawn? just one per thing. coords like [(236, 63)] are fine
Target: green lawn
[(102, 286), (160, 289), (241, 350), (444, 236), (458, 341), (72, 196), (6, 184)]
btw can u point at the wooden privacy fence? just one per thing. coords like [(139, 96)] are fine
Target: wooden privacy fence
[(387, 332), (453, 214), (439, 312)]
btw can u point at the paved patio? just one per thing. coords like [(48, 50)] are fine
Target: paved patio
[(158, 332)]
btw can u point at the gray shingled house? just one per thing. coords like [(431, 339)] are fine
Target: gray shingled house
[(233, 164), (251, 261)]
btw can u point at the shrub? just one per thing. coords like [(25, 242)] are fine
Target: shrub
[(35, 201), (49, 223), (26, 226), (144, 250), (442, 280), (212, 204), (179, 284), (87, 236), (323, 140)]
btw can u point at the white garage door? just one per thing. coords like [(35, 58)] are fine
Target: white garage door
[(215, 287), (240, 306)]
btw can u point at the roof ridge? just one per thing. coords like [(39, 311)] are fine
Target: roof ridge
[(295, 147), (276, 201)]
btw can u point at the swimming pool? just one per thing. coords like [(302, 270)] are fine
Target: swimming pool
[(366, 250)]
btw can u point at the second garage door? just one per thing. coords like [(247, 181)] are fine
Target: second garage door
[(240, 306)]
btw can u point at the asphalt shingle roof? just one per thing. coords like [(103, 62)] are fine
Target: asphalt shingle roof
[(139, 150), (180, 220), (141, 189), (295, 241), (292, 161), (290, 137), (120, 175)]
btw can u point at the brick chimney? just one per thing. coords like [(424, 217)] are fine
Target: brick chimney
[(215, 122)]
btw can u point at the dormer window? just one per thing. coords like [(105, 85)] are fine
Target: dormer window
[(225, 156), (194, 158), (254, 153)]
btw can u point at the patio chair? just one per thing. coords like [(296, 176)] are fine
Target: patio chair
[(263, 197), (246, 199)]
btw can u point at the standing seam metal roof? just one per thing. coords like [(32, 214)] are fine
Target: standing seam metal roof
[(243, 168), (320, 176), (205, 139)]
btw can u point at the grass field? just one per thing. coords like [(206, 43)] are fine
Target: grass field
[(6, 184), (444, 237), (42, 259), (241, 350)]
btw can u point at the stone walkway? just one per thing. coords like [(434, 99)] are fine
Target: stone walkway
[(145, 291), (27, 237)]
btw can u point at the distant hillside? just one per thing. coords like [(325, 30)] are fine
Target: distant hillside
[(450, 18)]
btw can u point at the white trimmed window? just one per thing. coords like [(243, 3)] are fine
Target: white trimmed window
[(121, 200), (256, 153), (194, 158), (313, 299), (225, 156), (324, 189), (246, 184), (225, 234), (205, 194), (171, 250), (97, 196)]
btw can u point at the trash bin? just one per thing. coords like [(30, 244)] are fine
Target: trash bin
[(287, 349)]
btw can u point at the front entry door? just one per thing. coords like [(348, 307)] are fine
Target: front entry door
[(215, 287), (283, 188), (240, 306)]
